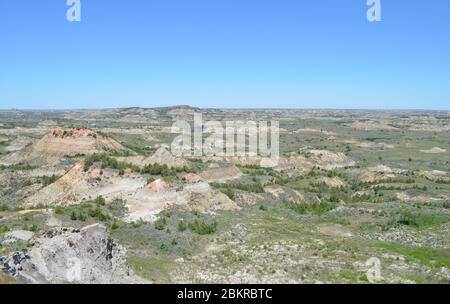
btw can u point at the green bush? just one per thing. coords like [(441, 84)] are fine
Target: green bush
[(98, 214), (164, 170), (81, 217), (73, 216), (48, 180), (27, 183), (100, 201), (115, 225), (4, 229), (255, 188), (229, 193), (203, 227), (34, 228), (17, 167), (137, 224), (108, 162), (311, 208), (360, 198), (181, 226), (160, 223)]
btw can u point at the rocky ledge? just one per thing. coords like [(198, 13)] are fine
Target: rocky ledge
[(67, 255)]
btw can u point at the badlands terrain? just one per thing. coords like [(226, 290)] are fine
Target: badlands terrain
[(96, 196)]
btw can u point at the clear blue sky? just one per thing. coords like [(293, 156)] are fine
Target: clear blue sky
[(225, 53)]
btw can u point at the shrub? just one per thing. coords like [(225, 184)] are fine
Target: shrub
[(137, 224), (255, 188), (311, 208), (115, 225), (203, 227), (181, 226), (48, 180), (27, 183), (98, 214), (34, 228), (360, 198), (442, 181), (73, 216), (164, 170), (229, 193), (108, 162), (4, 229), (100, 201), (160, 223), (81, 217), (335, 197)]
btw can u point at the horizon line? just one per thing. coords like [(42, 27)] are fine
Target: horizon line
[(230, 109)]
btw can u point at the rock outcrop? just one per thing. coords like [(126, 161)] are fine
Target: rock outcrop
[(67, 255)]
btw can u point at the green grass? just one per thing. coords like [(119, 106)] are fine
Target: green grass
[(6, 279), (427, 256), (151, 268), (421, 219)]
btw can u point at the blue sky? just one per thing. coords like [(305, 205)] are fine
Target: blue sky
[(225, 53)]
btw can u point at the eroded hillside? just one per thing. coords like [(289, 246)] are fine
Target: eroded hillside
[(349, 187)]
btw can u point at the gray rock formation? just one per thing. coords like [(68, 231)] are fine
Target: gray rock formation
[(67, 255)]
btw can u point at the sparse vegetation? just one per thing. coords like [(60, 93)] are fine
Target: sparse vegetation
[(344, 191), (160, 223), (203, 227), (311, 208), (48, 180), (181, 226), (421, 219), (108, 162), (228, 187), (164, 170), (4, 229)]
